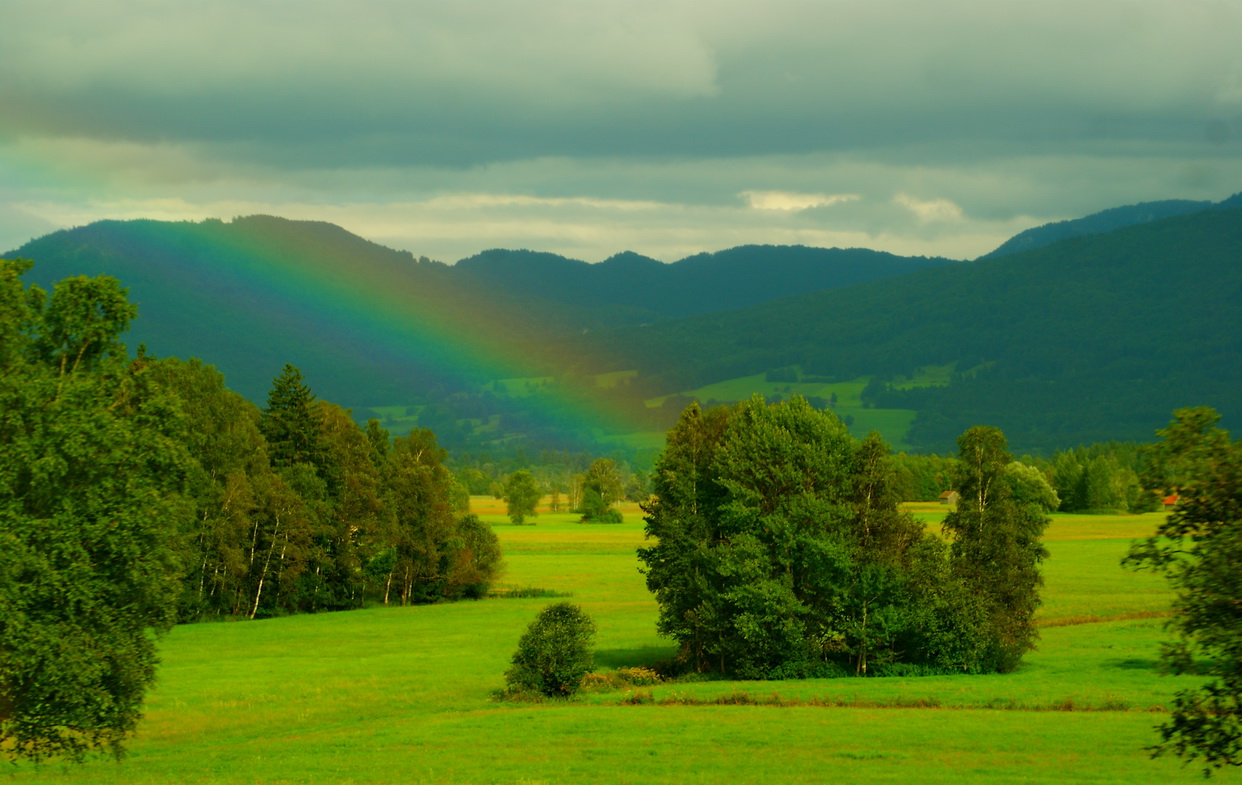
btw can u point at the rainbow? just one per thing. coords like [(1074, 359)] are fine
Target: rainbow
[(342, 289)]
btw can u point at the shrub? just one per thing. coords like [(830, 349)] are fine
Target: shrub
[(554, 653)]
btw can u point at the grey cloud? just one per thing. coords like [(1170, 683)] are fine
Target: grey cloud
[(469, 83)]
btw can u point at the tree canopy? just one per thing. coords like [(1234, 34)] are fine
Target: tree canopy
[(780, 551), (1199, 548), (521, 494), (92, 475)]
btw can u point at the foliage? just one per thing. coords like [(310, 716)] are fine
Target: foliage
[(475, 560), (602, 487), (521, 493), (91, 474), (554, 653), (996, 548), (781, 552), (1199, 548)]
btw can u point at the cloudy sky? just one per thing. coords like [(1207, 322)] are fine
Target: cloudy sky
[(588, 127)]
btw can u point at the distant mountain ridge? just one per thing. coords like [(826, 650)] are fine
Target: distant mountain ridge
[(1106, 221), (702, 283)]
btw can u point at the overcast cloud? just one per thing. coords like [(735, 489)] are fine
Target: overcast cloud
[(588, 128)]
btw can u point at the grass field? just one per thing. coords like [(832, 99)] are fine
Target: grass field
[(403, 695), (892, 424)]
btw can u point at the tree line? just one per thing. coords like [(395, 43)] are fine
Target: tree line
[(297, 509), (1108, 477), (137, 492)]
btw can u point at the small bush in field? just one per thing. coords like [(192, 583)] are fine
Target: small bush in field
[(554, 654)]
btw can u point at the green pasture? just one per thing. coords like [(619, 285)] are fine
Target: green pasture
[(403, 695), (892, 424), (739, 389), (521, 387)]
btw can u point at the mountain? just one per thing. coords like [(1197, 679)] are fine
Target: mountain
[(1088, 339), (639, 289), (413, 340), (1105, 221), (369, 325), (1085, 339)]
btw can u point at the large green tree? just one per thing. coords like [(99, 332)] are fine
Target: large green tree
[(1199, 549), (780, 550), (91, 473), (602, 487), (521, 494), (289, 423), (996, 546)]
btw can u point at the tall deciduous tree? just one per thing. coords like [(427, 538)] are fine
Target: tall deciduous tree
[(521, 494), (1199, 549), (601, 489), (91, 474), (420, 491), (996, 545)]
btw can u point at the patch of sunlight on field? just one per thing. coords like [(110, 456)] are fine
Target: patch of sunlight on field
[(743, 387), (640, 440), (927, 376), (892, 424), (520, 387), (607, 381)]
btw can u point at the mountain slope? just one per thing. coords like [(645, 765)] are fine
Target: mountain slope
[(372, 325), (368, 324), (1091, 338), (1105, 221)]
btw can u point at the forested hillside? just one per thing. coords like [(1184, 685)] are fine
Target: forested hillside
[(1106, 221), (1088, 339), (376, 326)]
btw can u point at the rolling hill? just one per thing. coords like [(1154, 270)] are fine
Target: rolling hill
[(1092, 338), (1106, 221)]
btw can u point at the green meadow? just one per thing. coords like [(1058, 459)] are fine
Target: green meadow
[(390, 695)]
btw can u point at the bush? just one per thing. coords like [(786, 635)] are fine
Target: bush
[(554, 653)]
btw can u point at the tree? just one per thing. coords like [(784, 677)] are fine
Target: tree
[(289, 423), (601, 489), (1198, 548), (996, 546), (521, 494), (780, 551), (228, 475), (554, 653), (91, 475), (420, 495), (475, 559)]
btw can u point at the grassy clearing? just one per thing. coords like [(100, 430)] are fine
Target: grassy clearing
[(892, 424), (848, 393), (403, 694)]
